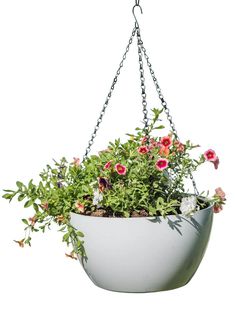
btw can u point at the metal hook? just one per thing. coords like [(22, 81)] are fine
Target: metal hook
[(137, 5)]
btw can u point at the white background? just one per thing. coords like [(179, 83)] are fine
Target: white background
[(57, 62)]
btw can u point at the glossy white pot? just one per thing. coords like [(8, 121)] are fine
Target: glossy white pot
[(143, 254)]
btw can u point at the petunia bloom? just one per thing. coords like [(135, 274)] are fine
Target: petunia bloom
[(210, 155), (143, 150), (162, 164), (164, 150), (108, 165), (144, 140), (166, 141), (217, 208), (120, 169)]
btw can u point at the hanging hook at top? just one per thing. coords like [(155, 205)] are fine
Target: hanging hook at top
[(137, 5)]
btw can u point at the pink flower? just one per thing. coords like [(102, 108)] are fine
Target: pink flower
[(144, 140), (179, 146), (79, 206), (143, 150), (162, 164), (166, 141), (216, 163), (210, 155), (108, 165), (217, 208), (120, 169), (76, 161), (220, 193)]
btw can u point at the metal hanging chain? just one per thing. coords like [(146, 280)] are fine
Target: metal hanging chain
[(166, 109), (143, 87), (91, 141)]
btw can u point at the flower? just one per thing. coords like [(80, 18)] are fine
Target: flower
[(220, 193), (188, 205), (166, 141), (120, 169), (210, 155), (44, 206), (97, 197), (216, 163), (103, 184), (21, 242), (33, 220), (79, 206), (162, 164), (76, 161), (179, 146), (144, 140), (108, 165), (219, 201), (217, 208), (71, 255), (164, 150), (143, 150)]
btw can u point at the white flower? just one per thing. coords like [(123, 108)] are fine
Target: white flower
[(97, 197), (188, 205)]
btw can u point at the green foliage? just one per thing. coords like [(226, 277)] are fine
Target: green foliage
[(65, 187)]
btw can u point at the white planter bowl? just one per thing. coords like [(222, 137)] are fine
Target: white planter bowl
[(143, 254)]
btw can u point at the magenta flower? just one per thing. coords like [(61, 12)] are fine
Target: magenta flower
[(162, 164), (166, 141), (143, 150), (108, 165), (144, 140), (210, 155), (120, 169)]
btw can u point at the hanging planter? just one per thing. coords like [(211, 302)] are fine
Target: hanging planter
[(126, 212)]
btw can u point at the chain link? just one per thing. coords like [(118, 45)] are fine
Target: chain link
[(143, 87), (166, 109), (91, 141)]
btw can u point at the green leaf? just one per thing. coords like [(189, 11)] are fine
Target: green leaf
[(19, 184), (28, 203), (36, 207), (8, 196), (21, 197), (80, 234), (25, 221)]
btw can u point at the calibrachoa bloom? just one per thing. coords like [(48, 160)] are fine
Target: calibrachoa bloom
[(79, 207), (143, 150), (166, 141), (164, 150), (179, 146), (162, 164), (220, 194), (108, 165), (120, 169), (210, 155), (144, 140)]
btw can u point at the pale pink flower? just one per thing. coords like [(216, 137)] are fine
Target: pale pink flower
[(120, 169), (220, 193), (76, 161)]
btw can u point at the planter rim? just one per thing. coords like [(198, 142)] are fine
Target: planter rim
[(147, 217)]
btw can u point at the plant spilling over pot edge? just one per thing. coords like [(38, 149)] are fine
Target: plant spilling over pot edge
[(142, 177)]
